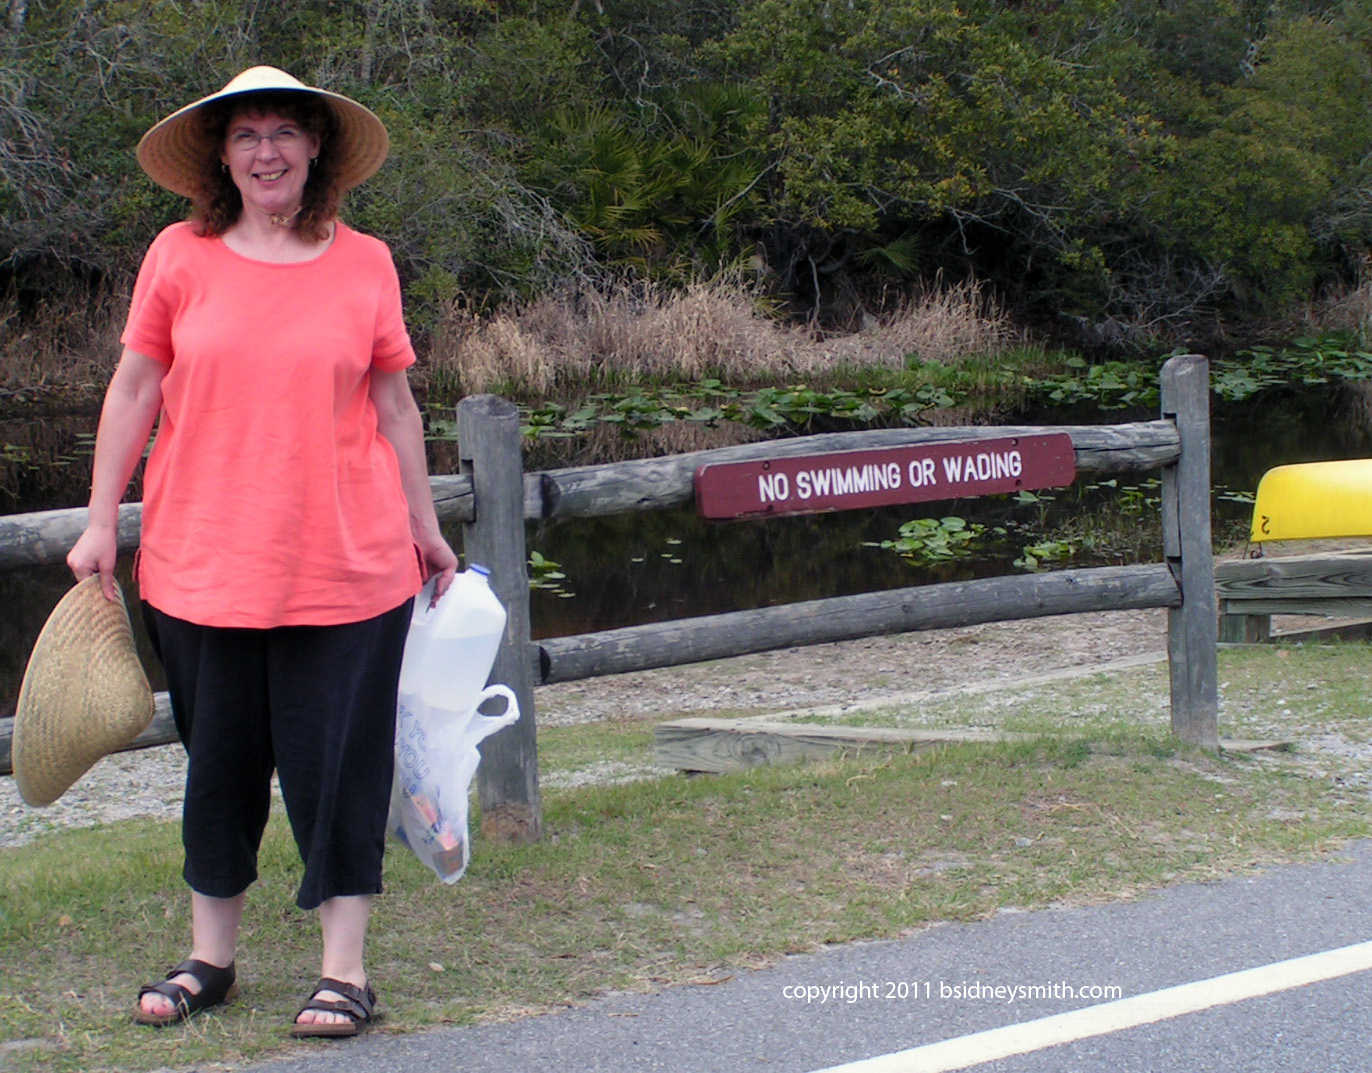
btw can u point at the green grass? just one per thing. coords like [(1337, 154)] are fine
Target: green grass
[(1266, 691), (672, 879), (607, 751)]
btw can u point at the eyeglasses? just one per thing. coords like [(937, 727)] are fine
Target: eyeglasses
[(248, 140)]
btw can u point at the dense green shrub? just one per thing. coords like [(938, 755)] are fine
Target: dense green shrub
[(1132, 168)]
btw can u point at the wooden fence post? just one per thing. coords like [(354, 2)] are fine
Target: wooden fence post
[(489, 451), (1192, 628)]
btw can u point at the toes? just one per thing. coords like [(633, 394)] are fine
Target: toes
[(319, 1017), (323, 1017), (159, 1005)]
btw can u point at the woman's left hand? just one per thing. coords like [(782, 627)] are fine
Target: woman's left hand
[(399, 422), (439, 562)]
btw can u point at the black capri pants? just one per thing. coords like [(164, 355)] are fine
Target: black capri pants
[(317, 705)]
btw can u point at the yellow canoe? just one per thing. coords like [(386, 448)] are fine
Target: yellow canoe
[(1314, 499)]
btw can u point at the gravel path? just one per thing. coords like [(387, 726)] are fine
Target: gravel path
[(848, 671), (126, 786)]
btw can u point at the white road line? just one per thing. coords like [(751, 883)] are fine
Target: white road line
[(1108, 1017)]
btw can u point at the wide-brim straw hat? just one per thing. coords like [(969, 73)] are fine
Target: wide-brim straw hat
[(173, 151), (84, 694)]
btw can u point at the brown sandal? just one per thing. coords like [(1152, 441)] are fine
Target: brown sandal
[(216, 985), (358, 1004)]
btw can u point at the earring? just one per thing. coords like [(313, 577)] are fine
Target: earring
[(313, 161), (224, 168)]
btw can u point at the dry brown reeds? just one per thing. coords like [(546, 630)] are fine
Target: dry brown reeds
[(650, 334), (937, 324), (67, 347), (1348, 310), (1343, 307)]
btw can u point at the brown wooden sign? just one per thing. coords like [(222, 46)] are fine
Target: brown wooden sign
[(884, 476)]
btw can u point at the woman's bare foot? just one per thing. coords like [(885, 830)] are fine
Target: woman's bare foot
[(337, 1008), (190, 987), (328, 1017), (159, 1005)]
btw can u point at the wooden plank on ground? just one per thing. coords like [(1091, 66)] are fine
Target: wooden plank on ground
[(717, 746), (720, 745), (1256, 745), (1340, 629)]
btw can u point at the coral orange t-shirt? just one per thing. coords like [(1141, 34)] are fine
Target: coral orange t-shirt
[(270, 498)]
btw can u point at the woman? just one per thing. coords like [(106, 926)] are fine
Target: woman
[(287, 517)]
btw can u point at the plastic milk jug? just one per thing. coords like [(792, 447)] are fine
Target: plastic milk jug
[(450, 648)]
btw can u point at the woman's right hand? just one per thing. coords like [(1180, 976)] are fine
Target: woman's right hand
[(94, 553)]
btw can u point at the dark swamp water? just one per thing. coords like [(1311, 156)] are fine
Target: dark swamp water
[(657, 566)]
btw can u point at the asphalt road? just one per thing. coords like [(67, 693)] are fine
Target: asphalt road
[(855, 1002)]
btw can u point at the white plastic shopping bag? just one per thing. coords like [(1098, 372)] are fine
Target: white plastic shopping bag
[(436, 758)]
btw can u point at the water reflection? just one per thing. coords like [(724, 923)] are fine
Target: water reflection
[(1318, 423), (671, 564), (45, 461)]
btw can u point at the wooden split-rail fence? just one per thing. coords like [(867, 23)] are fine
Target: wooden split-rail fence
[(492, 497)]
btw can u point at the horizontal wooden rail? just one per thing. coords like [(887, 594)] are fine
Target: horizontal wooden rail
[(44, 537), (161, 731), (659, 483), (841, 618), (838, 618)]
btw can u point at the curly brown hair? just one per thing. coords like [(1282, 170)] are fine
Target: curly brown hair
[(219, 203)]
